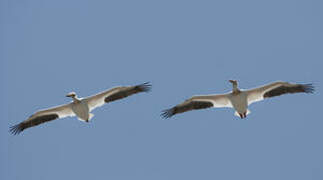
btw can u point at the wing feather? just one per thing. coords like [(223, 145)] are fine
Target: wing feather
[(277, 89), (42, 117), (116, 94), (198, 102)]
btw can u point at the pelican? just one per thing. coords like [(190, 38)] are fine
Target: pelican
[(238, 99), (81, 107)]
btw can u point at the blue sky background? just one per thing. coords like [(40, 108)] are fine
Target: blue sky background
[(184, 48)]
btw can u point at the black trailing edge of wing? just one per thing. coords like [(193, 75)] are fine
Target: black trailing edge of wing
[(299, 88), (17, 129), (145, 87), (193, 105)]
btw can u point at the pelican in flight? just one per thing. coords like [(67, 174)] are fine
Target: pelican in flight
[(238, 99), (81, 107)]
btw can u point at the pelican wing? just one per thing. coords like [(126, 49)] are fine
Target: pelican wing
[(198, 102), (277, 89), (115, 94), (42, 117)]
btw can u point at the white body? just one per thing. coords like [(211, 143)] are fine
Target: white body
[(81, 110), (239, 101)]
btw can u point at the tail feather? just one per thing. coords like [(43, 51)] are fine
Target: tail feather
[(84, 120), (237, 114)]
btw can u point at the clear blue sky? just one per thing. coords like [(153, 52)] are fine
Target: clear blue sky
[(49, 48)]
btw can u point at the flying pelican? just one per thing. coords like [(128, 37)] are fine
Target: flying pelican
[(81, 107), (238, 99)]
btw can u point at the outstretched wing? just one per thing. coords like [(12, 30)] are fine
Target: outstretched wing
[(277, 89), (116, 94), (198, 102), (42, 117)]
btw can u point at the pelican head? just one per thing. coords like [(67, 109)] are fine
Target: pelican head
[(234, 82), (71, 94), (235, 86)]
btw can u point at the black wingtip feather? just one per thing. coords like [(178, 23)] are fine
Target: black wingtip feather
[(168, 113), (16, 129), (145, 87), (308, 88)]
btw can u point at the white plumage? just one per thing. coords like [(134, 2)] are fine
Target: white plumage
[(238, 99), (81, 107)]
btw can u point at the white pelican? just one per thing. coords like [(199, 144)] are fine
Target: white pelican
[(81, 107), (238, 99)]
